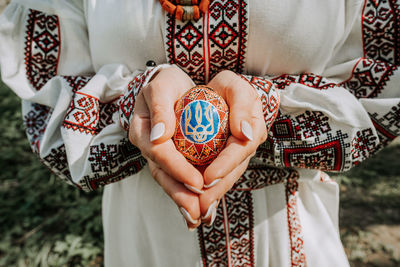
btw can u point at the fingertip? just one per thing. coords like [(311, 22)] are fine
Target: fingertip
[(194, 189), (157, 131), (212, 176)]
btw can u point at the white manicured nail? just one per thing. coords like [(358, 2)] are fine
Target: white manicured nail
[(210, 210), (212, 183), (247, 130), (213, 216), (194, 189), (187, 215), (157, 131), (187, 225)]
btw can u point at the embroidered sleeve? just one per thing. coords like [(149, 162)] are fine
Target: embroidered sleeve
[(75, 123), (334, 121), (268, 95)]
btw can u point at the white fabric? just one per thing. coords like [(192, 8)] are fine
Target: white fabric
[(111, 42), (143, 227)]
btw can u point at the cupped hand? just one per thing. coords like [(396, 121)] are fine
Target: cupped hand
[(248, 131), (151, 130)]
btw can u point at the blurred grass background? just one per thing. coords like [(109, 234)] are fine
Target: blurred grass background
[(44, 222)]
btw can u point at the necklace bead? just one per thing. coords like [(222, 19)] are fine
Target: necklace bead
[(186, 9)]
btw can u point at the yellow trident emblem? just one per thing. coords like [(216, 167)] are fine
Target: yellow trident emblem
[(199, 132)]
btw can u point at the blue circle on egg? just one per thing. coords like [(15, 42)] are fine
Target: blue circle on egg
[(200, 121)]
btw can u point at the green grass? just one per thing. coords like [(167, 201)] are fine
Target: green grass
[(44, 222)]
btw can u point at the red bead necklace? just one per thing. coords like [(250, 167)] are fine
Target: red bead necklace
[(186, 9)]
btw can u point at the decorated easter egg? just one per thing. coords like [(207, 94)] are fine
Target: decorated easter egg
[(202, 127)]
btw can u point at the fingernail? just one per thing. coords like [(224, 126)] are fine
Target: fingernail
[(191, 229), (210, 210), (194, 189), (247, 130), (212, 183), (214, 215), (187, 215), (157, 131)]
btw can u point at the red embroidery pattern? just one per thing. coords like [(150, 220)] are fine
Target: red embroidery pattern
[(127, 102), (107, 111), (381, 30), (225, 26), (260, 176), (298, 257), (77, 82), (387, 125), (42, 48), (56, 162), (227, 20), (269, 97), (111, 163), (230, 240), (310, 80), (369, 78), (363, 145), (381, 39), (324, 151), (83, 114)]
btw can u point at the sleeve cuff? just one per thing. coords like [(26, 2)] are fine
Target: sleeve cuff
[(127, 102), (268, 95)]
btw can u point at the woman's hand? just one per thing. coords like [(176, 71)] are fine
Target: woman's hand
[(151, 130), (248, 131)]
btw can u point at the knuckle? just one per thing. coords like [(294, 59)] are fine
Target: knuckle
[(264, 137), (157, 109), (154, 172), (148, 155), (156, 156)]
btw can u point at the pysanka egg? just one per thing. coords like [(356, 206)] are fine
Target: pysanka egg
[(202, 127)]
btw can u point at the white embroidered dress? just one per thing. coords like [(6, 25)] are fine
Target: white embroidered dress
[(327, 69)]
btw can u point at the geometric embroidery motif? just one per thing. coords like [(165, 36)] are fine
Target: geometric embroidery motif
[(327, 154), (111, 163), (269, 97), (381, 44), (307, 141), (227, 36), (42, 48), (127, 102), (260, 176), (83, 114), (309, 80), (387, 125), (369, 78), (363, 145), (230, 240), (380, 29), (298, 257), (57, 162), (185, 47), (77, 82), (225, 25), (35, 122), (312, 123), (107, 111)]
